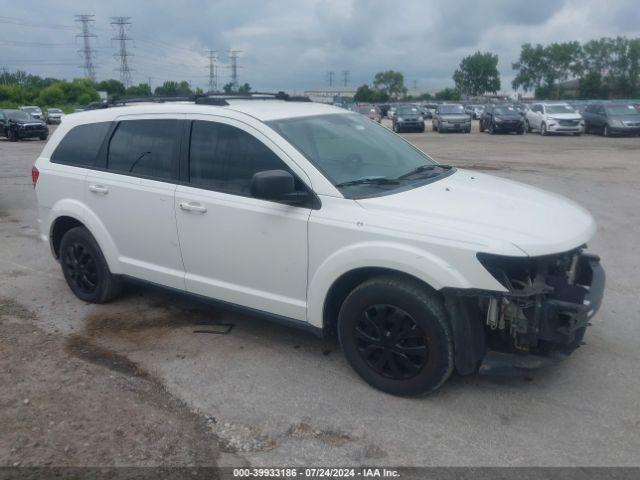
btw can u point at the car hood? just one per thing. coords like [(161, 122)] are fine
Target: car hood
[(454, 117), (565, 116), (494, 213), (509, 116)]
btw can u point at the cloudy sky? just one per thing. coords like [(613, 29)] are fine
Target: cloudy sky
[(292, 44)]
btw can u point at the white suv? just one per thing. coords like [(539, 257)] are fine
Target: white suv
[(554, 118), (318, 217)]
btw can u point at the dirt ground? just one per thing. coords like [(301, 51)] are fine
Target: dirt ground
[(136, 382)]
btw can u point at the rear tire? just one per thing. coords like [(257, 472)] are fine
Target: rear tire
[(480, 127), (11, 135), (43, 137), (395, 334), (528, 126), (85, 269), (606, 132), (543, 129)]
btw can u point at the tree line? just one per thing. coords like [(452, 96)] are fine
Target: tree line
[(20, 88), (603, 68)]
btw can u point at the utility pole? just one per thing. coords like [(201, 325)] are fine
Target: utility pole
[(330, 77), (213, 74), (233, 55), (345, 77), (121, 24), (86, 21), (415, 84)]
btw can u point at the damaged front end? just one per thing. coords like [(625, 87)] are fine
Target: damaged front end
[(540, 319)]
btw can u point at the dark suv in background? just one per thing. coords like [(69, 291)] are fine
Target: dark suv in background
[(612, 119), (503, 119), (408, 117), (18, 124)]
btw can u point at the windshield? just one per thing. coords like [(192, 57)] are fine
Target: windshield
[(366, 110), (31, 109), (622, 110), (560, 109), (408, 111), (347, 148), (18, 115), (451, 109), (55, 110), (504, 110)]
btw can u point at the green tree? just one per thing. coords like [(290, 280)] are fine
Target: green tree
[(245, 88), (140, 90), (172, 88), (114, 88), (448, 94), (478, 74), (391, 83)]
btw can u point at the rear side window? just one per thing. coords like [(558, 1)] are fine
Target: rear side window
[(225, 158), (144, 148), (81, 144)]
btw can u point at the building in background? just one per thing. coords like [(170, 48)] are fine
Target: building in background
[(329, 94)]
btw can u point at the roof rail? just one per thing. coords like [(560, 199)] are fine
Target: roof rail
[(214, 98), (220, 98)]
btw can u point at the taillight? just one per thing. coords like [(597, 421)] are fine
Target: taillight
[(35, 173)]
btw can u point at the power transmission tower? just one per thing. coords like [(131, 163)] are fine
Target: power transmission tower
[(121, 24), (330, 77), (87, 52), (213, 71), (345, 77), (233, 56)]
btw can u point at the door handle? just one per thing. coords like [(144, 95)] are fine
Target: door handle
[(98, 189), (193, 207)]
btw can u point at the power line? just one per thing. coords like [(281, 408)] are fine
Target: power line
[(121, 24), (213, 73), (87, 52)]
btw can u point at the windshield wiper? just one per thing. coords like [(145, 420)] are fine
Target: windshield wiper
[(369, 181), (423, 168)]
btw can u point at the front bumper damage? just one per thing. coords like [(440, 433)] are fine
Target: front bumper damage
[(540, 320)]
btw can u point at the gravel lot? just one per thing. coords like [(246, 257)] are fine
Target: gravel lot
[(130, 383)]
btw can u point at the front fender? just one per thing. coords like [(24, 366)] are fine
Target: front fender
[(72, 208), (431, 269)]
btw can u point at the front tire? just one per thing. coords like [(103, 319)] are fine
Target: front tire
[(480, 126), (606, 131), (395, 334), (85, 269), (543, 129)]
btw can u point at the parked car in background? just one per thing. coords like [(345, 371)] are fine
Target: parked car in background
[(408, 118), (32, 110), (554, 118), (18, 124), (53, 115), (421, 269), (384, 108), (371, 112), (450, 118), (612, 119), (426, 113), (502, 119), (474, 110), (391, 111)]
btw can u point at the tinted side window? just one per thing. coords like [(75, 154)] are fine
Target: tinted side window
[(225, 158), (81, 144), (144, 148)]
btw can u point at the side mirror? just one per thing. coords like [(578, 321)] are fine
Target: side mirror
[(277, 185)]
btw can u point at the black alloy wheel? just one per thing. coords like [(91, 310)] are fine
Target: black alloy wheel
[(391, 342), (81, 267)]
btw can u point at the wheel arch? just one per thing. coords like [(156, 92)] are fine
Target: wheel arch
[(67, 214)]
